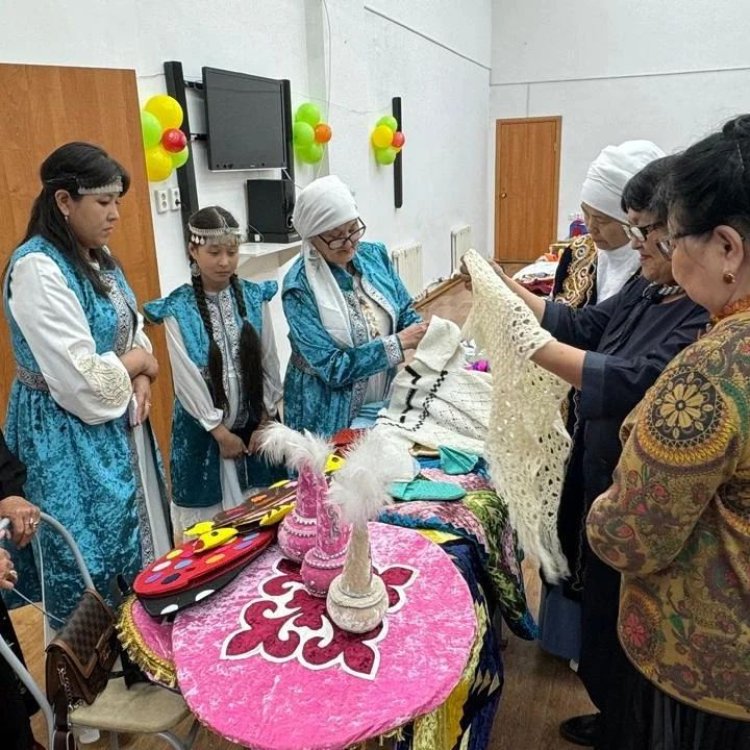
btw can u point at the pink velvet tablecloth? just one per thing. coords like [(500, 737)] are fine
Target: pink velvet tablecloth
[(261, 664)]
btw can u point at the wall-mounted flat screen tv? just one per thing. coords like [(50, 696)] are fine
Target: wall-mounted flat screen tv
[(248, 121)]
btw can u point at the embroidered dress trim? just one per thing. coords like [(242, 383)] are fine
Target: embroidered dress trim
[(112, 385), (360, 335), (34, 380), (144, 524), (125, 316), (393, 350), (226, 334), (380, 300)]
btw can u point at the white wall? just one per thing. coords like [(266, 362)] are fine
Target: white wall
[(432, 53), (666, 71)]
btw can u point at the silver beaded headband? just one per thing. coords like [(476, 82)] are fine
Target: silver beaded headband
[(111, 187), (218, 236)]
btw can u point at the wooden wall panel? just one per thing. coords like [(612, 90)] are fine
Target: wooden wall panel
[(43, 108)]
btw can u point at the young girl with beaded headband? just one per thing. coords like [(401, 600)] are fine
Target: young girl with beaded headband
[(225, 369), (78, 409)]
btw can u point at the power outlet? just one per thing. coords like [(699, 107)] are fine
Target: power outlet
[(161, 199), (174, 199)]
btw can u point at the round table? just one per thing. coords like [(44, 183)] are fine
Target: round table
[(261, 664)]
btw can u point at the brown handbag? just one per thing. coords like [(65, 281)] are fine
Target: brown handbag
[(79, 660)]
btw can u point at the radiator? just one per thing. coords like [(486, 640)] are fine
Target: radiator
[(407, 261), (460, 244)]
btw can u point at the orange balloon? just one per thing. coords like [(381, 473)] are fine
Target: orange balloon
[(398, 139), (323, 132)]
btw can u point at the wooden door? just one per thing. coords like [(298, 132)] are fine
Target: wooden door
[(43, 108), (527, 171)]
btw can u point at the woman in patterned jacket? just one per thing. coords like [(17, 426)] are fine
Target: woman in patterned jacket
[(676, 522)]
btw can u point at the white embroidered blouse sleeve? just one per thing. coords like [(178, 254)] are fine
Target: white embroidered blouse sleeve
[(140, 339), (273, 389), (189, 385), (94, 387)]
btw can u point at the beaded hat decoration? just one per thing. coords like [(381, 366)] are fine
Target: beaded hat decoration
[(222, 235), (114, 186)]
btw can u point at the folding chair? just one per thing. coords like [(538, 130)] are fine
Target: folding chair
[(144, 708)]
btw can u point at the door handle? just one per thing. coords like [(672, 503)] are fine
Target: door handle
[(503, 195)]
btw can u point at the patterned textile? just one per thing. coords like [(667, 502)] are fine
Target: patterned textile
[(325, 384), (82, 474), (195, 464), (481, 518), (435, 400), (148, 642), (267, 697), (678, 525), (575, 278), (470, 482), (527, 443), (465, 719)]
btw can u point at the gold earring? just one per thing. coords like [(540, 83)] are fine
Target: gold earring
[(729, 277)]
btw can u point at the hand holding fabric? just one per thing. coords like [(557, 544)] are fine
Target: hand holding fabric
[(412, 335)]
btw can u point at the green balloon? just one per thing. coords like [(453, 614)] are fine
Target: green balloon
[(304, 134), (390, 121), (151, 129), (310, 154), (180, 157), (308, 113), (385, 156)]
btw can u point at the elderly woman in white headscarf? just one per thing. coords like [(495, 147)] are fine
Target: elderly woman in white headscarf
[(595, 266), (350, 317)]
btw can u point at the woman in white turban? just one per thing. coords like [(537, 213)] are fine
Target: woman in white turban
[(350, 317), (595, 266)]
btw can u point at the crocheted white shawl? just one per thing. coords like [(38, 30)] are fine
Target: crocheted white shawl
[(527, 444)]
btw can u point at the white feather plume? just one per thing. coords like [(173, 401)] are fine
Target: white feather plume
[(360, 487), (281, 444)]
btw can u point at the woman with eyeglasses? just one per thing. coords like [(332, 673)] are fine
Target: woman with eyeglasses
[(676, 523), (595, 266), (612, 352), (350, 317), (226, 373)]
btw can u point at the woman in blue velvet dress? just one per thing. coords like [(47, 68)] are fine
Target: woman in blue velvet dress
[(225, 370), (78, 410), (350, 317)]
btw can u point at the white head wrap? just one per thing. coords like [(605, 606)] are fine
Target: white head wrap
[(323, 205), (610, 172)]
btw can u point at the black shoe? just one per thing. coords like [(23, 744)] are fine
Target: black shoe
[(581, 730)]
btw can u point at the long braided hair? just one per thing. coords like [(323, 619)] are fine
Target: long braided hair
[(251, 367)]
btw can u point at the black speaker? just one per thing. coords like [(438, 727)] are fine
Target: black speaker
[(270, 204)]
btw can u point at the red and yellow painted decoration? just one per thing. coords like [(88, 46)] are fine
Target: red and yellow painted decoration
[(165, 144), (310, 133), (387, 140)]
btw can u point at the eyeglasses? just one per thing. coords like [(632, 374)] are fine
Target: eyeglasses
[(352, 237), (668, 245), (634, 232)]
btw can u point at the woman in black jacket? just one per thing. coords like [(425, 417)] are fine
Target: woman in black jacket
[(16, 704)]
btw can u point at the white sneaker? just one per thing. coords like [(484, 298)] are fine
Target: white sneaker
[(87, 735)]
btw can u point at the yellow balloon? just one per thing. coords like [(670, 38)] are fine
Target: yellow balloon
[(166, 109), (382, 136), (159, 164)]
